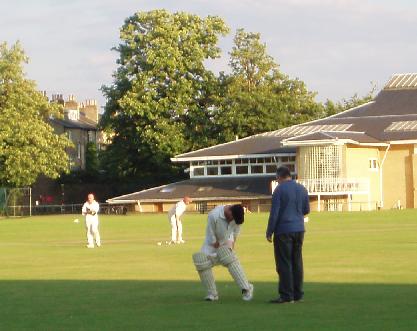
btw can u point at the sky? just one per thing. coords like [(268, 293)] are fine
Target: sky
[(337, 47)]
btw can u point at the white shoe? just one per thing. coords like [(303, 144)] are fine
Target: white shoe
[(247, 295), (172, 242), (90, 246), (181, 242), (211, 297), (98, 244)]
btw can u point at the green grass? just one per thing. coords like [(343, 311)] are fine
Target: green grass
[(360, 274)]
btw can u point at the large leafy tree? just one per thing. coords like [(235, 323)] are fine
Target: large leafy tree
[(28, 145), (256, 97), (159, 102)]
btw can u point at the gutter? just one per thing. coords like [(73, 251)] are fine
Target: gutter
[(381, 190)]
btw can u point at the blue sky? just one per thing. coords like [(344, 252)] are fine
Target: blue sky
[(338, 47)]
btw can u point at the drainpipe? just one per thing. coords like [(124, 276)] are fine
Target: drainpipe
[(381, 190)]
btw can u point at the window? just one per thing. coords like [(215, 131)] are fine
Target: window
[(204, 188), (198, 171), (73, 114), (226, 170), (79, 150), (373, 164), (242, 170), (225, 162), (242, 187), (167, 189), (212, 171), (91, 136), (271, 168), (257, 169)]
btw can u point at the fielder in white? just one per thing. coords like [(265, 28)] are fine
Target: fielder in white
[(223, 227), (90, 211), (174, 217)]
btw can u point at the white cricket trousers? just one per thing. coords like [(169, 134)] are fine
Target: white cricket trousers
[(91, 226), (176, 229)]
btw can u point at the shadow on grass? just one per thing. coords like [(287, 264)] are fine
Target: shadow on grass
[(178, 305)]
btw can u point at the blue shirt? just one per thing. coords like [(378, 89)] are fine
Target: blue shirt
[(289, 205)]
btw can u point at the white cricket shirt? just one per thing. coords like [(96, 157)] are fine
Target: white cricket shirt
[(94, 206), (218, 230), (178, 209)]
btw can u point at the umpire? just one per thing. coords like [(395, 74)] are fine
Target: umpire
[(286, 223)]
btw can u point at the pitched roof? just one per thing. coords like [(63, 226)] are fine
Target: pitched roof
[(204, 189), (82, 123), (257, 144)]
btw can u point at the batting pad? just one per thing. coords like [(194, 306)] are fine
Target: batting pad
[(204, 267), (229, 259)]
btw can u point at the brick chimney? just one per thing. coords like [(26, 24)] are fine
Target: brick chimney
[(90, 110)]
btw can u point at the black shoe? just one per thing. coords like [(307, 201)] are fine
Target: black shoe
[(281, 300)]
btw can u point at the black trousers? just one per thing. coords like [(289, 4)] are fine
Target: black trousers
[(289, 264)]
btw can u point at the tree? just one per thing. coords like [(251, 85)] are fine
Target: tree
[(332, 108), (28, 145), (256, 97), (91, 159), (159, 103)]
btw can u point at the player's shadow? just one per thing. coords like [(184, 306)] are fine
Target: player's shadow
[(178, 305)]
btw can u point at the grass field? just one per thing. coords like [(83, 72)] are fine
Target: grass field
[(360, 274)]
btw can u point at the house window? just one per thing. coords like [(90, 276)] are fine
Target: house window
[(242, 170), (271, 168), (226, 170), (241, 161), (373, 164), (212, 171), (242, 187), (167, 189), (204, 189), (91, 136), (198, 171), (257, 169), (79, 150)]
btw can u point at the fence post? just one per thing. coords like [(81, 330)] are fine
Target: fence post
[(30, 201)]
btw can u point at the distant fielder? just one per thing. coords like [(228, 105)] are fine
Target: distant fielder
[(174, 217), (223, 227), (90, 210)]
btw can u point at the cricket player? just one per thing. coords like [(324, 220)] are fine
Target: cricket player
[(174, 217), (223, 226), (90, 210)]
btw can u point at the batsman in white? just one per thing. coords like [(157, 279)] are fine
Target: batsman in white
[(174, 217), (223, 227), (90, 211)]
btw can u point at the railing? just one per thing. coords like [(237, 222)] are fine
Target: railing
[(336, 185), (26, 210)]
